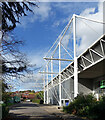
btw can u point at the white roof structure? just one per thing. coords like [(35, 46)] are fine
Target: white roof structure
[(90, 64)]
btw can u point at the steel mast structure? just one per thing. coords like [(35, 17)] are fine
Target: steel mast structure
[(73, 71)]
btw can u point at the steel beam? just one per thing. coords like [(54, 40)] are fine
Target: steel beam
[(44, 88), (75, 59), (52, 74), (57, 59), (48, 73), (59, 74), (47, 86)]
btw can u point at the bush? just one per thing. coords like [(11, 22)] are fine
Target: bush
[(36, 101), (5, 110), (87, 106), (98, 111), (81, 105)]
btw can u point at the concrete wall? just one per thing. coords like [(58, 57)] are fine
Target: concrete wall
[(54, 95), (68, 89), (85, 86), (67, 92)]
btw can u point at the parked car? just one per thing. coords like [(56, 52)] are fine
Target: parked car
[(28, 100)]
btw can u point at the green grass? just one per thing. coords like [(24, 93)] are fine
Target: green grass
[(36, 101)]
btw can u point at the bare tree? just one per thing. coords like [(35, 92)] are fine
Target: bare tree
[(14, 63)]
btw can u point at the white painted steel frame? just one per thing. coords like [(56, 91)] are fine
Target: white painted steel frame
[(47, 85), (57, 59), (86, 67), (75, 59), (44, 88), (52, 74), (60, 75), (92, 63)]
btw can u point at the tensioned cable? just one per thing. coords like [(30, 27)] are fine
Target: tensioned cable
[(69, 37), (67, 26), (63, 32), (90, 19), (90, 27), (56, 92), (66, 51), (66, 92), (56, 40), (67, 29), (54, 96)]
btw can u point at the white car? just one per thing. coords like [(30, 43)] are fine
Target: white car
[(28, 100)]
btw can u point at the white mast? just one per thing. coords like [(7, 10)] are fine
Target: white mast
[(59, 74), (75, 59), (47, 85)]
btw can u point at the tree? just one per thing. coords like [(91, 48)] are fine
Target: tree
[(12, 11), (33, 91), (14, 63)]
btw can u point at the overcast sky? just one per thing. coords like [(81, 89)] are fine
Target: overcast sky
[(41, 29)]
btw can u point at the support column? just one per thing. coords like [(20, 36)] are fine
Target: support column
[(52, 70), (47, 85), (52, 76), (44, 89), (75, 59), (59, 74)]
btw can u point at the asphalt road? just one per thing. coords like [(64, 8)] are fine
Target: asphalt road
[(32, 111)]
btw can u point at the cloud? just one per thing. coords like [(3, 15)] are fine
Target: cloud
[(56, 24), (30, 81), (41, 13), (36, 57), (30, 86), (65, 40), (65, 10), (88, 32)]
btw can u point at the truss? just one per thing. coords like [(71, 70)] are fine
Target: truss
[(90, 57)]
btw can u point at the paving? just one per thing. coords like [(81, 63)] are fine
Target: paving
[(32, 111)]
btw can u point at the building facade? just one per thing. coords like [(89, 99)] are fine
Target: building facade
[(91, 76)]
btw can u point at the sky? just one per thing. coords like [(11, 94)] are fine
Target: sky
[(40, 30)]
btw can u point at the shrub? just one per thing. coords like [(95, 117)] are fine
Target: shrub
[(36, 101), (87, 106), (81, 105), (98, 111), (5, 110)]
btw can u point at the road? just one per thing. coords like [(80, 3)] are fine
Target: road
[(32, 111)]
